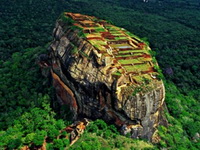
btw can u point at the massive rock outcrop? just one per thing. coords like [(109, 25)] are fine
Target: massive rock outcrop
[(103, 71)]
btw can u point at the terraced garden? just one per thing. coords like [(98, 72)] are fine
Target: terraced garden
[(129, 54)]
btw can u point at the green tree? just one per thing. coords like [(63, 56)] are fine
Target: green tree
[(39, 137), (58, 144)]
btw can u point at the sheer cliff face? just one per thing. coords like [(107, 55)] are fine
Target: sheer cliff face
[(103, 71)]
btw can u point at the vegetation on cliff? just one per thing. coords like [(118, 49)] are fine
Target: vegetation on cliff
[(24, 25)]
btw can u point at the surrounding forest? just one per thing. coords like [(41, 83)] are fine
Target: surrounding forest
[(28, 110)]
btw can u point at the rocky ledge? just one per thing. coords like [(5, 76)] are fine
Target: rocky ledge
[(103, 71)]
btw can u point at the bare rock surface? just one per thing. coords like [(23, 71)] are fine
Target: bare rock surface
[(103, 71)]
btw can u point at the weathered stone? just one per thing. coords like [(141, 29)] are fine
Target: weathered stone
[(102, 71)]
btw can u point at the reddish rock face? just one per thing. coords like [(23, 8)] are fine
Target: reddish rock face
[(64, 93), (102, 71)]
